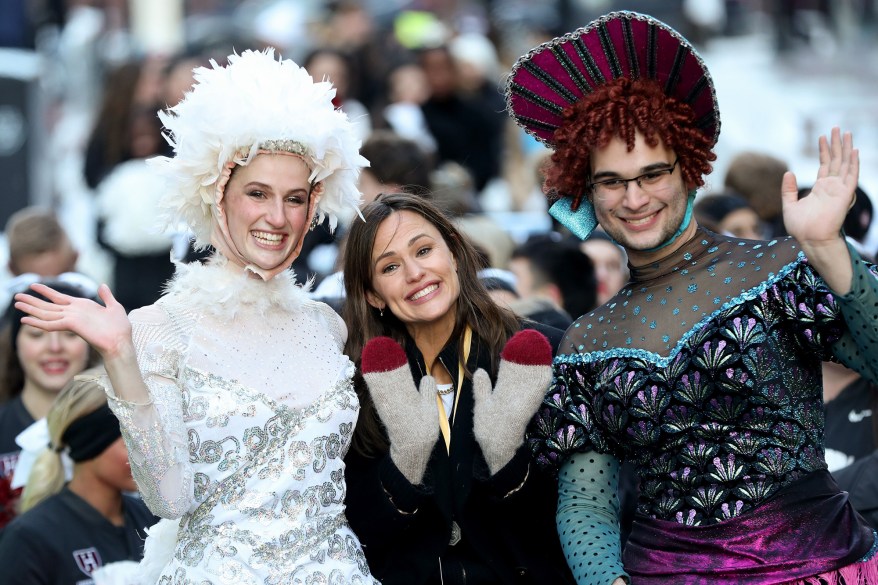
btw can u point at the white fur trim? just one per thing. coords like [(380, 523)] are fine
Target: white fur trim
[(224, 289), (128, 202)]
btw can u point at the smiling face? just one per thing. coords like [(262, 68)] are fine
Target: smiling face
[(267, 207), (743, 223), (633, 217), (414, 273), (609, 267), (50, 359)]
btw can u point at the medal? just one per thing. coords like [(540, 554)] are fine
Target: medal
[(455, 534)]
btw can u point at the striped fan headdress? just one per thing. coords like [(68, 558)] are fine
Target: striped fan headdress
[(558, 73)]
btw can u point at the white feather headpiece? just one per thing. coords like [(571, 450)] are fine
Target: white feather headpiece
[(255, 103)]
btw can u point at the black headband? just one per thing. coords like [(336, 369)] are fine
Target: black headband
[(90, 435)]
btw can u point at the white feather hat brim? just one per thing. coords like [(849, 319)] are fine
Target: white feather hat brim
[(230, 111)]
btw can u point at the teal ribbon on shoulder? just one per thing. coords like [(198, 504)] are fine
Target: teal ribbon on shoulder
[(580, 222)]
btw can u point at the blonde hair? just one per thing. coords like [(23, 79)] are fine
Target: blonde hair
[(80, 396)]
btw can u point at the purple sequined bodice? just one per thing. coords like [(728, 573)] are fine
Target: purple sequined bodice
[(705, 372)]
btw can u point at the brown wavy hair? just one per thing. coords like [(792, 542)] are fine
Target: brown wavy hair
[(492, 324), (621, 108)]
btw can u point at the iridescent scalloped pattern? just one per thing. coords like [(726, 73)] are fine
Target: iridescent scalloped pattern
[(705, 373)]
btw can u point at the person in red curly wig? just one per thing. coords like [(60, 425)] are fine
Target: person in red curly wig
[(703, 373), (623, 109)]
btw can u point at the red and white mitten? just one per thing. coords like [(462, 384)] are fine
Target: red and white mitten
[(502, 413), (410, 415)]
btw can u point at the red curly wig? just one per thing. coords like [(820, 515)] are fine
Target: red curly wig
[(622, 108)]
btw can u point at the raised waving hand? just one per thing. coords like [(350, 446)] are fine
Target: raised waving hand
[(105, 327), (816, 220)]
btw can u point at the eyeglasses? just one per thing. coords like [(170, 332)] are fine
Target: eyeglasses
[(652, 182)]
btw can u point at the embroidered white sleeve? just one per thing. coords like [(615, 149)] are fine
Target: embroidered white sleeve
[(154, 433), (331, 319)]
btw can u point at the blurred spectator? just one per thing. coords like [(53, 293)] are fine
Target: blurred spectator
[(729, 214), (325, 64), (454, 192), (407, 89), (125, 127), (500, 285), (38, 243), (128, 132), (349, 27), (857, 221), (860, 478), (464, 130), (479, 77), (23, 21), (68, 530), (610, 264), (757, 177), (177, 77), (792, 26), (39, 247), (34, 366), (396, 164), (556, 273), (130, 228), (848, 402), (478, 67)]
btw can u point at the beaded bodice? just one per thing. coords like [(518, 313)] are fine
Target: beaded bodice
[(705, 372), (252, 411)]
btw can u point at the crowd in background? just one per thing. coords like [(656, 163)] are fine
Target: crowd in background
[(422, 81)]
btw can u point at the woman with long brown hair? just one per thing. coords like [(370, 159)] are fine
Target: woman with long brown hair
[(441, 488)]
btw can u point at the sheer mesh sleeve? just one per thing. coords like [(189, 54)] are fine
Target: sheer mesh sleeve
[(332, 320), (858, 347), (154, 432), (588, 517)]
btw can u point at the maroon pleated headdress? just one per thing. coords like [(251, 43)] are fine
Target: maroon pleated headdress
[(558, 73)]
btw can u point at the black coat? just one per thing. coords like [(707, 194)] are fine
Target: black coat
[(507, 521), (860, 480)]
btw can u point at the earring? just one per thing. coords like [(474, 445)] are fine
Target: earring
[(313, 223), (381, 312)]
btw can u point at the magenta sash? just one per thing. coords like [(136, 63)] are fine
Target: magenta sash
[(805, 529)]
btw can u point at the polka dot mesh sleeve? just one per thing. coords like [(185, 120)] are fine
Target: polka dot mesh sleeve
[(588, 517), (858, 348)]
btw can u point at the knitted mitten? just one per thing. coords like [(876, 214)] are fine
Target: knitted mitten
[(410, 415), (501, 414)]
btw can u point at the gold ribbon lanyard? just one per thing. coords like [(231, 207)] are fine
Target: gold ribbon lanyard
[(443, 416)]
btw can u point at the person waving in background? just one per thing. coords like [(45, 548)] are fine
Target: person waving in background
[(234, 397), (704, 371), (441, 486)]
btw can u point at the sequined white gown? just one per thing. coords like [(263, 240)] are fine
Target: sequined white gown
[(252, 412)]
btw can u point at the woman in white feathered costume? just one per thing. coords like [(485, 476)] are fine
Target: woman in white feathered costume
[(233, 394)]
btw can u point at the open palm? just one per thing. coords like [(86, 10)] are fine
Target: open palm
[(105, 327), (818, 218)]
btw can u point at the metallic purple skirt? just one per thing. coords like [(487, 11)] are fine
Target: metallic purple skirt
[(806, 530)]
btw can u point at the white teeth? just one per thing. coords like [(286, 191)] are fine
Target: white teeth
[(424, 291), (640, 221), (55, 365), (268, 238)]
